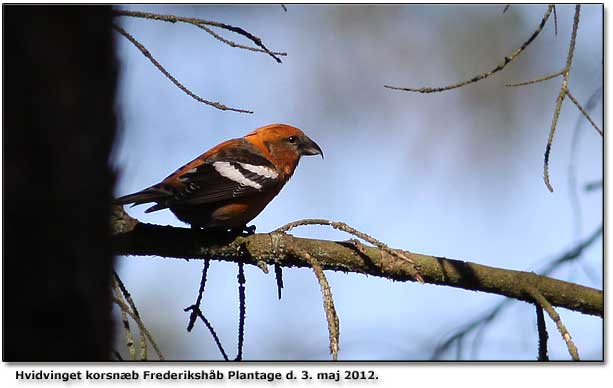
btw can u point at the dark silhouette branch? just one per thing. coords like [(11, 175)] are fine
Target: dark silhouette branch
[(542, 331), (242, 310), (479, 324), (279, 278), (196, 312), (544, 303), (231, 43)]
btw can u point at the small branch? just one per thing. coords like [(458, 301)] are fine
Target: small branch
[(122, 292), (348, 229), (508, 59), (542, 302), (234, 44), (193, 316), (199, 23), (126, 325), (117, 355), (161, 68), (506, 8), (555, 21), (119, 283), (537, 80), (242, 310), (279, 278), (196, 312), (583, 111), (213, 333), (543, 336), (552, 131), (331, 316), (284, 7), (141, 326), (143, 347), (479, 324), (561, 95)]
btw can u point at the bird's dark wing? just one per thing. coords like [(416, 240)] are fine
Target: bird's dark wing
[(237, 170)]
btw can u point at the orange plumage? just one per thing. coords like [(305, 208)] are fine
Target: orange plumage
[(230, 184)]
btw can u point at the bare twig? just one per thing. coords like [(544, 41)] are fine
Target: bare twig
[(122, 292), (193, 316), (506, 8), (234, 44), (555, 21), (199, 23), (542, 331), (348, 229), (161, 68), (196, 312), (508, 59), (544, 303), (242, 310), (583, 111), (126, 294), (279, 278), (537, 80), (331, 316), (143, 347), (140, 324), (284, 7), (213, 333), (117, 355), (561, 95), (126, 324)]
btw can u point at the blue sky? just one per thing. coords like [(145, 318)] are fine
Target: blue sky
[(455, 174)]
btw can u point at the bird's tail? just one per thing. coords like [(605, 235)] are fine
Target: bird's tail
[(150, 194)]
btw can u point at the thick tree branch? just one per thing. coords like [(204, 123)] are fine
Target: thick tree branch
[(171, 242)]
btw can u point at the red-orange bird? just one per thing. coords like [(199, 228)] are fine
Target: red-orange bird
[(230, 184)]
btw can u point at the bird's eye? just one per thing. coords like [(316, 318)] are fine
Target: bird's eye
[(292, 139)]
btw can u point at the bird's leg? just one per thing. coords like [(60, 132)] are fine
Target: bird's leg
[(246, 231)]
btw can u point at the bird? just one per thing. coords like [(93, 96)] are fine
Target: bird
[(229, 185)]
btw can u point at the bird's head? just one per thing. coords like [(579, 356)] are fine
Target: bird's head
[(285, 142)]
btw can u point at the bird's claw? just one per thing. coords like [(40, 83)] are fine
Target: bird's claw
[(248, 230)]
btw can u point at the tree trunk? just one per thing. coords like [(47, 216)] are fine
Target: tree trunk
[(60, 79)]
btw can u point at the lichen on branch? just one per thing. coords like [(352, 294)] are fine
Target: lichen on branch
[(275, 248)]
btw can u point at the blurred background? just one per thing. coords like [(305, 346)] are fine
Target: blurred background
[(455, 174)]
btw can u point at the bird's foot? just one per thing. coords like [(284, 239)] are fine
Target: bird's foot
[(248, 230)]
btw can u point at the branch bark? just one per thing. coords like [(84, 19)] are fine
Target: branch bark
[(170, 242)]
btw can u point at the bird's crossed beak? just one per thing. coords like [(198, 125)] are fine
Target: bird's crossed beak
[(309, 147)]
